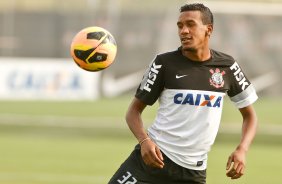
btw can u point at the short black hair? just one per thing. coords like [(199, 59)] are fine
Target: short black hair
[(207, 16)]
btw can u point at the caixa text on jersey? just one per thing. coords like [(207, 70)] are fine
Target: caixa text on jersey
[(197, 99)]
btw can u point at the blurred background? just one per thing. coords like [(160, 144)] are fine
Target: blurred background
[(60, 124)]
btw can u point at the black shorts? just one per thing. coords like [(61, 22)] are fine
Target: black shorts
[(135, 171)]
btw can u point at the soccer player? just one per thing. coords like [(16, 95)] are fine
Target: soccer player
[(190, 84)]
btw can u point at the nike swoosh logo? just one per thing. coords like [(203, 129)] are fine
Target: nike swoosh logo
[(180, 76)]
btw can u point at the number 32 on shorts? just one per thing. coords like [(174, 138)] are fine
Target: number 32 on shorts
[(127, 179)]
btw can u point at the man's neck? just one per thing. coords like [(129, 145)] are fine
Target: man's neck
[(198, 55)]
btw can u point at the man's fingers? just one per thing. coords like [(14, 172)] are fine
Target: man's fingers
[(243, 170), (153, 157), (235, 165), (157, 161), (236, 173), (159, 154), (239, 172), (236, 176), (149, 160), (239, 169), (231, 173), (228, 165)]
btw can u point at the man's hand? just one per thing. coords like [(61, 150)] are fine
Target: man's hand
[(236, 164), (151, 154)]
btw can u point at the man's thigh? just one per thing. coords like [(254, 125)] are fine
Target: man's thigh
[(135, 171), (131, 171)]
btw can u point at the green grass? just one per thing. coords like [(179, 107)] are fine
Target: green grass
[(59, 160), (268, 109), (36, 149), (105, 107), (262, 164), (66, 155)]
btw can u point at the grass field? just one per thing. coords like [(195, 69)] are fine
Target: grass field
[(85, 142)]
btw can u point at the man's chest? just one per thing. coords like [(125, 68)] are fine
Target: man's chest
[(197, 77)]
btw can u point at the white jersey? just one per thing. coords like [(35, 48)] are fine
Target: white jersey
[(191, 99)]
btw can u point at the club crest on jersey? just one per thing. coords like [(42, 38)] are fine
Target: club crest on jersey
[(216, 79)]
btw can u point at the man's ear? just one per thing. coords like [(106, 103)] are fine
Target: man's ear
[(209, 29)]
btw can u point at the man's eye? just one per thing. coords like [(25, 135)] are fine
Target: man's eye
[(191, 24)]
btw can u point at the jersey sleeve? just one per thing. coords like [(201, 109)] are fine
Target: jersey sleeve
[(152, 83), (241, 92)]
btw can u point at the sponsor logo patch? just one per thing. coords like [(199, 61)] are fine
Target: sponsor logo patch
[(198, 99), (199, 163), (180, 76), (152, 76), (239, 76)]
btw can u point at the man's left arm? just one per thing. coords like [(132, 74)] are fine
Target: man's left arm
[(237, 160)]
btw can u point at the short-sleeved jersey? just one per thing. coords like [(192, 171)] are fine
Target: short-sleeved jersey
[(190, 97)]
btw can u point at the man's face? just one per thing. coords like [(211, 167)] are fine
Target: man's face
[(192, 32)]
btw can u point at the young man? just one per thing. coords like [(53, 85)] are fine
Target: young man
[(190, 84)]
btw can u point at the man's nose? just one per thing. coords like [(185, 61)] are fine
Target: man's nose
[(184, 30)]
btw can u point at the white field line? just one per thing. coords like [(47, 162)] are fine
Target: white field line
[(235, 128), (62, 121), (109, 123), (49, 177)]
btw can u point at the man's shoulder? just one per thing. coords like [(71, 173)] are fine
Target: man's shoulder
[(221, 57), (169, 54)]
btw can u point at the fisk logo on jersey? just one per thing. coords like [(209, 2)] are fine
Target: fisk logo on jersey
[(198, 99), (239, 76), (154, 70)]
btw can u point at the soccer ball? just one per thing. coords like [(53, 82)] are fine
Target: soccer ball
[(93, 49)]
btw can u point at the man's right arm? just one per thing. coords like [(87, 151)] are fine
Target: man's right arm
[(151, 154)]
